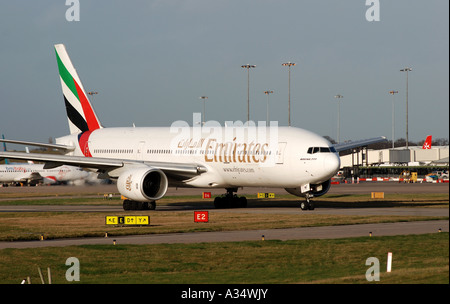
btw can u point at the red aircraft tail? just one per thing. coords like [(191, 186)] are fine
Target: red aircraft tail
[(427, 143)]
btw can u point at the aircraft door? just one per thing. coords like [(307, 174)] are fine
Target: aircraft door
[(140, 150), (86, 151), (280, 153)]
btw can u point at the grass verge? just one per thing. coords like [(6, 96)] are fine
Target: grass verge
[(258, 262), (15, 226)]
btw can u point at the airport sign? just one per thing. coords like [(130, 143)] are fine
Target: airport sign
[(201, 217), (128, 220)]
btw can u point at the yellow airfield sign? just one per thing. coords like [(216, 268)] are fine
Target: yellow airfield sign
[(266, 195), (138, 220)]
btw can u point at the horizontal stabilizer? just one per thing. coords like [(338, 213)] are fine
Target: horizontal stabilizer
[(29, 143)]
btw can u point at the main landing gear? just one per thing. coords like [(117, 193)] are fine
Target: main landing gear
[(133, 205), (230, 200), (307, 205)]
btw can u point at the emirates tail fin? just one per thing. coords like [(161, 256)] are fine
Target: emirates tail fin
[(80, 112)]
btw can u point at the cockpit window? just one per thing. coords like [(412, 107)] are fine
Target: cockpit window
[(312, 150)]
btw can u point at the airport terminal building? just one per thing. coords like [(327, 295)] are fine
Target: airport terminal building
[(392, 163), (413, 156)]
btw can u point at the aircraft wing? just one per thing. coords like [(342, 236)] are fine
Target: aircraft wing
[(358, 143), (29, 143), (106, 164)]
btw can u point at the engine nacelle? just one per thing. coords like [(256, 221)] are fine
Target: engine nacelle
[(315, 189), (142, 184)]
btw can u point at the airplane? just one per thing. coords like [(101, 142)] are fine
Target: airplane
[(147, 160), (35, 173), (427, 143), (32, 173)]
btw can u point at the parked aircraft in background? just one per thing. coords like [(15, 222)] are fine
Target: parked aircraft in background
[(36, 173), (32, 174)]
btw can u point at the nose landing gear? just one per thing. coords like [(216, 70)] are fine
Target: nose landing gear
[(307, 205)]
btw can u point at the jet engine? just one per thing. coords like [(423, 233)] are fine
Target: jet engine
[(142, 184), (314, 189)]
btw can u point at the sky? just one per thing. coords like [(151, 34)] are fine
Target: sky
[(150, 61)]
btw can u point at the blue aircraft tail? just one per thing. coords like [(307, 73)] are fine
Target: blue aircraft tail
[(4, 149)]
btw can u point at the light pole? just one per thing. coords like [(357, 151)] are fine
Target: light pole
[(393, 116), (407, 69), (203, 98), (289, 64), (267, 93), (248, 67), (338, 97)]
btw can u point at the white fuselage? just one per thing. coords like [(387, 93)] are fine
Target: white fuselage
[(35, 172), (233, 156)]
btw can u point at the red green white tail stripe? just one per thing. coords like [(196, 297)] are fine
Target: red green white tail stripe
[(80, 112)]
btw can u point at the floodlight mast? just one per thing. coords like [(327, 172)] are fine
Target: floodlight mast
[(289, 64), (267, 93), (407, 69), (339, 97), (248, 67), (393, 116), (203, 98)]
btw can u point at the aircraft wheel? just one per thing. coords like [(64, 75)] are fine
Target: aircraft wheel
[(242, 202), (127, 205), (218, 202), (304, 206), (133, 205), (136, 205)]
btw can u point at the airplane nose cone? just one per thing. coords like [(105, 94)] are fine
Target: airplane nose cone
[(331, 164)]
